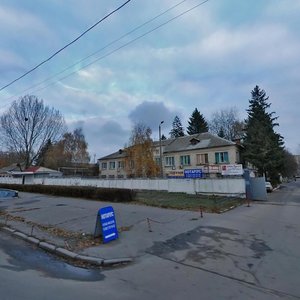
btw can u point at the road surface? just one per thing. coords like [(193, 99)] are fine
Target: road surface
[(247, 253)]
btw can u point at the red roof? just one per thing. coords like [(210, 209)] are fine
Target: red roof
[(32, 169)]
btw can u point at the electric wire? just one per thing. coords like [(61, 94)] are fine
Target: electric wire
[(126, 44), (99, 50), (64, 47), (120, 47)]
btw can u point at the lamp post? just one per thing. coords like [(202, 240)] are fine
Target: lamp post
[(160, 150)]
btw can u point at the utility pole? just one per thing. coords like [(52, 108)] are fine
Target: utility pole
[(160, 151)]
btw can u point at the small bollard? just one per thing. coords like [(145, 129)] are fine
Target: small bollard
[(149, 225), (31, 230), (201, 212), (248, 202)]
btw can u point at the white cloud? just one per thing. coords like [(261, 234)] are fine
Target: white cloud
[(22, 23), (211, 59)]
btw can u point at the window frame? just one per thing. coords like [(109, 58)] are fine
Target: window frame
[(169, 161), (185, 160), (222, 157), (112, 165), (199, 160)]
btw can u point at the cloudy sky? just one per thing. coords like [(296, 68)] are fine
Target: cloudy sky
[(151, 61)]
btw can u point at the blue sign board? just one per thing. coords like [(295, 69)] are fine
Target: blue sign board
[(106, 216), (193, 173)]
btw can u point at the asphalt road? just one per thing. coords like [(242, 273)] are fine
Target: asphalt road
[(247, 253)]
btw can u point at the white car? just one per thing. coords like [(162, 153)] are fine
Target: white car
[(269, 187)]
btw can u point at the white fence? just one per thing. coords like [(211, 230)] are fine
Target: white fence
[(222, 186)]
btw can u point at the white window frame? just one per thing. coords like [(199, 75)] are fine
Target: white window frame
[(202, 159), (222, 157), (170, 161), (121, 164), (185, 160)]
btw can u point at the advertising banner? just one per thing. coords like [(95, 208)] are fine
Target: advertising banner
[(193, 173), (236, 169), (106, 223)]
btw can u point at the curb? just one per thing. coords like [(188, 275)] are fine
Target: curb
[(62, 252)]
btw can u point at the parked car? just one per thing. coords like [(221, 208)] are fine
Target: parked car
[(269, 187)]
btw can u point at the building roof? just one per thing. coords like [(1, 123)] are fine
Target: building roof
[(36, 169), (11, 168), (119, 154), (196, 141), (184, 143)]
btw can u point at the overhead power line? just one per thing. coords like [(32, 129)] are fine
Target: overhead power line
[(99, 50), (64, 47), (116, 49), (128, 43)]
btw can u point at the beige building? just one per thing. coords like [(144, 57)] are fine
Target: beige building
[(204, 151)]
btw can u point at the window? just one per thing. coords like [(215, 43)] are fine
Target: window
[(221, 157), (238, 158), (131, 164), (112, 165), (157, 160), (121, 164), (202, 159), (170, 161), (104, 166), (185, 160)]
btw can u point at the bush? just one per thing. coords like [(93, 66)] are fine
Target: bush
[(87, 192)]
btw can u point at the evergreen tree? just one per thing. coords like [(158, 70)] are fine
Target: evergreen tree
[(197, 123), (221, 133), (263, 146), (177, 129)]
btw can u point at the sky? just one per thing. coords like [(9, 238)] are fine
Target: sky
[(150, 61)]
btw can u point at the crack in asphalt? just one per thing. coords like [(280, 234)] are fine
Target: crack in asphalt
[(241, 281), (207, 244)]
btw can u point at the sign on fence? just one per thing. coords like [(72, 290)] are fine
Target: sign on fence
[(106, 224), (193, 173), (236, 169)]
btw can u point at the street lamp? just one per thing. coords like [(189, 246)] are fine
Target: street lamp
[(160, 151)]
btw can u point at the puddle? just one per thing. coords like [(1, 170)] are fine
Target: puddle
[(28, 257)]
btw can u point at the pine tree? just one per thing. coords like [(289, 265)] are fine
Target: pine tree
[(221, 133), (177, 128), (263, 146), (197, 123)]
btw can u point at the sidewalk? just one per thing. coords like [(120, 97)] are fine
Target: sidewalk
[(65, 226)]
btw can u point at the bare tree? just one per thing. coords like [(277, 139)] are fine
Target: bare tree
[(75, 146), (226, 124), (140, 161), (70, 150), (28, 125)]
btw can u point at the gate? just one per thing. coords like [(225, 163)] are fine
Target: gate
[(255, 187)]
